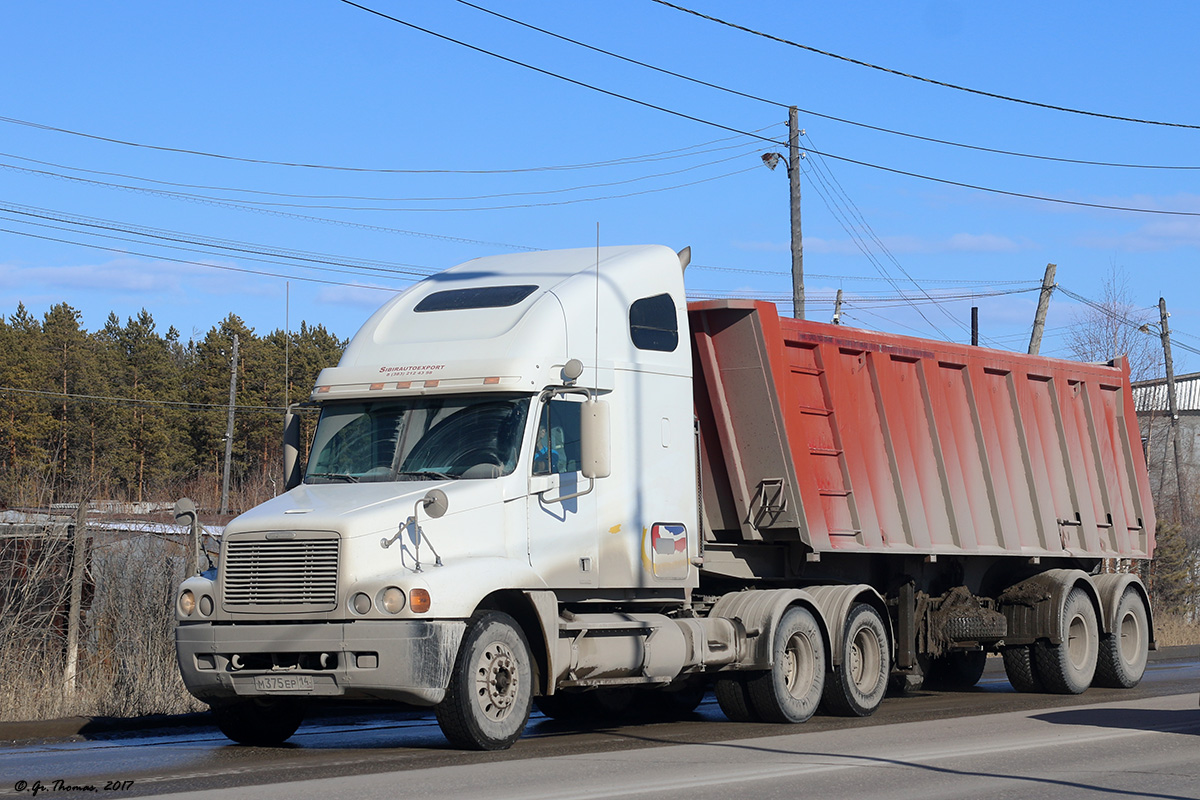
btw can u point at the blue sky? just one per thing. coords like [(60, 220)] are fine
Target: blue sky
[(324, 83)]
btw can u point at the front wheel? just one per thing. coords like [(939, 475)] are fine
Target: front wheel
[(857, 687), (264, 722), (791, 690), (491, 687)]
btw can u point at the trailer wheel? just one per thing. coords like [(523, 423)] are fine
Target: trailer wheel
[(490, 695), (264, 722), (957, 670), (791, 690), (1068, 668), (1123, 653), (734, 700), (857, 687), (1021, 670)]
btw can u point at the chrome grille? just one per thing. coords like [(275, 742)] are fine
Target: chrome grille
[(296, 575)]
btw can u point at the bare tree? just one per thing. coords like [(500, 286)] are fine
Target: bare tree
[(1112, 329)]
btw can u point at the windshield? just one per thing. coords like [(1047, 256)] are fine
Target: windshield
[(418, 438)]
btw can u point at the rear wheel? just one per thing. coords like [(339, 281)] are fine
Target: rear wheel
[(1123, 653), (956, 670), (265, 721), (1068, 667), (857, 687), (674, 702), (733, 698), (1021, 670), (491, 687), (791, 690)]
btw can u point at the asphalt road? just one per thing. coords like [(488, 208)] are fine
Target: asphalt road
[(987, 742)]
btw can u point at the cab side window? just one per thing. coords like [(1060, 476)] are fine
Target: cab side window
[(557, 447), (653, 324)]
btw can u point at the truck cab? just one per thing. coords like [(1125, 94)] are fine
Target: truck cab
[(514, 431)]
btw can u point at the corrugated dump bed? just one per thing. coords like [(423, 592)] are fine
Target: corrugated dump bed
[(861, 441)]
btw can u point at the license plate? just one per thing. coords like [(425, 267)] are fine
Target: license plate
[(283, 683)]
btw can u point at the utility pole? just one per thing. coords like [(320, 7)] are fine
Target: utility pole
[(1039, 319), (1173, 405), (974, 326), (75, 612), (229, 429), (797, 239), (837, 309)]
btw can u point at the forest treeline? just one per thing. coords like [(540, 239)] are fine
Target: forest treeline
[(132, 413)]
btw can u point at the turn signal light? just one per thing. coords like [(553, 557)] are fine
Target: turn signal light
[(418, 600)]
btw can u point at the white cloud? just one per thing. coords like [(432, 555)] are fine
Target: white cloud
[(128, 275), (1160, 234)]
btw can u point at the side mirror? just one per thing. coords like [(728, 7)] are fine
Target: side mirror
[(435, 503), (594, 439), (291, 451)]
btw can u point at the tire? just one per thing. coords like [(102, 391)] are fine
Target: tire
[(982, 628), (676, 702), (956, 671), (562, 706), (791, 690), (1123, 653), (491, 686), (857, 687), (263, 722), (733, 698), (586, 708), (1068, 668), (1021, 670)]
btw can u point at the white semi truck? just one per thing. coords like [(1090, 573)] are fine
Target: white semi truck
[(543, 478)]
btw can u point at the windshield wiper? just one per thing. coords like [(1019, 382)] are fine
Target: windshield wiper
[(342, 476), (428, 474)]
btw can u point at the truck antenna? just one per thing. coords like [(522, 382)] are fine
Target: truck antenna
[(596, 339)]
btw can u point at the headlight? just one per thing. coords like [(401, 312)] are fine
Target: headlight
[(187, 603), (206, 605), (391, 600), (360, 603)]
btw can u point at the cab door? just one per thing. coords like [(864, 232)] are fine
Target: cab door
[(562, 502)]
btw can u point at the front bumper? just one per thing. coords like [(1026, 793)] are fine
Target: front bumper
[(405, 660)]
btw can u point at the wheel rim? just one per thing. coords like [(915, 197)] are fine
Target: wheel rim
[(864, 660), (799, 665), (497, 681), (1130, 641), (1078, 642)]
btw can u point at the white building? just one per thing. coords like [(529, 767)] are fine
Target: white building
[(1154, 417)]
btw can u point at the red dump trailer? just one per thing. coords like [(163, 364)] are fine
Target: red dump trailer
[(990, 498)]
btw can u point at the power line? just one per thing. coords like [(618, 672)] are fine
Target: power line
[(659, 156), (810, 112), (265, 206), (875, 278), (404, 270), (1121, 318), (342, 197), (287, 214), (720, 126), (136, 400), (943, 84), (206, 265)]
